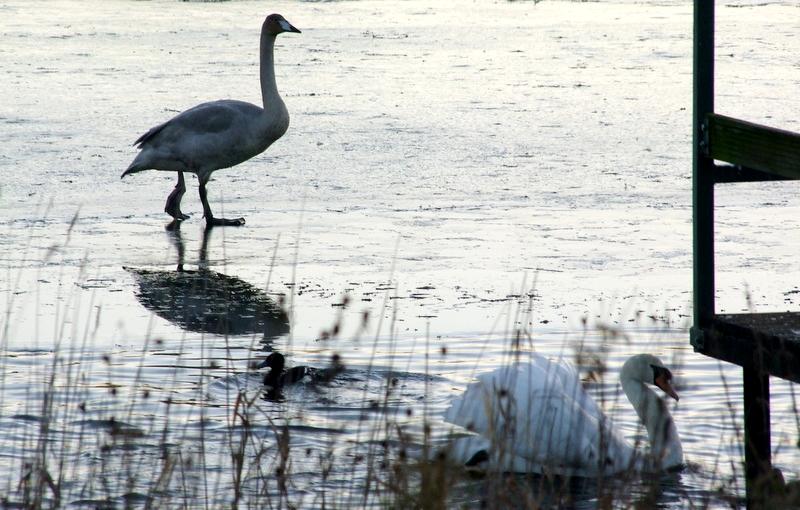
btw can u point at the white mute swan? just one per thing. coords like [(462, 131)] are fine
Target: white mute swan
[(536, 417), (218, 134)]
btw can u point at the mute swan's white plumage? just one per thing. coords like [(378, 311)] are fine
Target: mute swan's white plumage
[(218, 134), (535, 416)]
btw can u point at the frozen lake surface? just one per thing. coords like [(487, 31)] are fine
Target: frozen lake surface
[(452, 172)]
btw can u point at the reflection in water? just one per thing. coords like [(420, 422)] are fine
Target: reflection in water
[(205, 301)]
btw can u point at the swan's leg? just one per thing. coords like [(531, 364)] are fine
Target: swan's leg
[(173, 205), (211, 221)]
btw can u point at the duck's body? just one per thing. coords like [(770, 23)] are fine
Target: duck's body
[(279, 376), (536, 417), (218, 134)]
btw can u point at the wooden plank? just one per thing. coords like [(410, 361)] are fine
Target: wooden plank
[(725, 174), (769, 340), (751, 145)]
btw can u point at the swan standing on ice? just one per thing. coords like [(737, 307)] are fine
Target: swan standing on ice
[(218, 134), (536, 417)]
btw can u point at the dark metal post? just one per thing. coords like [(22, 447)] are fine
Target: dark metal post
[(703, 169), (757, 453)]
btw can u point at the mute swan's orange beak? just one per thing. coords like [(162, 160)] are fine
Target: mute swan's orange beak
[(663, 382)]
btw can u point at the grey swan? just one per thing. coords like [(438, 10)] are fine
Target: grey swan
[(217, 134)]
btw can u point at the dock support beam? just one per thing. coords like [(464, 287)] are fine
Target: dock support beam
[(703, 165), (757, 455)]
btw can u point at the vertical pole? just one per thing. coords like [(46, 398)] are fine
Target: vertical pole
[(758, 464), (756, 381), (703, 166)]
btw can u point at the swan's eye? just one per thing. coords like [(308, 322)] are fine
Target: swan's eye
[(662, 373), (662, 378)]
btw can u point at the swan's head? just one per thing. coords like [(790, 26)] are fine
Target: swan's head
[(648, 369), (276, 24)]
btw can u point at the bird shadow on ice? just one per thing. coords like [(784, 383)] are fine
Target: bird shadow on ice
[(205, 301)]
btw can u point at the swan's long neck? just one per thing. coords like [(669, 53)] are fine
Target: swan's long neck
[(269, 89), (665, 445)]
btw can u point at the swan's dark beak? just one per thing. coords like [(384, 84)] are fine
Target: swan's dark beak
[(662, 381), (288, 27)]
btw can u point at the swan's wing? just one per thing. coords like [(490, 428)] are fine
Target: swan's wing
[(537, 378), (540, 412), (563, 374), (214, 135), (204, 119), (606, 444)]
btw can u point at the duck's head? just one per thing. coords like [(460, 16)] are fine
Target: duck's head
[(276, 24), (275, 361)]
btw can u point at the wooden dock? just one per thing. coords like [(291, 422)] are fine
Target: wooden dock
[(728, 150)]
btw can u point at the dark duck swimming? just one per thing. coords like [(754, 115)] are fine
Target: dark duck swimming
[(280, 377)]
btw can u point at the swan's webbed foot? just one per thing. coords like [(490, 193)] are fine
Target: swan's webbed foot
[(211, 221), (177, 214), (224, 222)]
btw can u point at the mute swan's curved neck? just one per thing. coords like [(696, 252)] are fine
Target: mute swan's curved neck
[(269, 89), (665, 446)]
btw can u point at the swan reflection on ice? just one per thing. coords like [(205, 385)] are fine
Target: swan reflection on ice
[(205, 301)]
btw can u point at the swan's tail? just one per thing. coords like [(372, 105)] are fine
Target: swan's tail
[(470, 451), (127, 172), (134, 167)]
